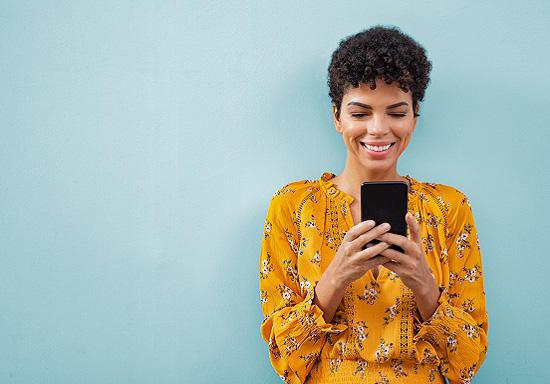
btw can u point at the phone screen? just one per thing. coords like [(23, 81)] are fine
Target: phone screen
[(385, 202)]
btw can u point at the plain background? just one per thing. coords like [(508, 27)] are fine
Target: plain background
[(141, 142)]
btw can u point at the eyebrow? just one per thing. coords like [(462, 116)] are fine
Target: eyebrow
[(369, 107)]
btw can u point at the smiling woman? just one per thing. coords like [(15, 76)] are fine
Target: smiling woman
[(376, 129), (337, 313)]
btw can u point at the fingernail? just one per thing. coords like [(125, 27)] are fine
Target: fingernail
[(370, 222), (385, 226)]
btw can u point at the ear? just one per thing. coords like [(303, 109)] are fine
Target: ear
[(337, 123), (415, 117)]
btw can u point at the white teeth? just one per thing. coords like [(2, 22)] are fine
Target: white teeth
[(377, 149)]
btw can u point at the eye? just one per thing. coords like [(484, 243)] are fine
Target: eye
[(358, 115), (398, 115)]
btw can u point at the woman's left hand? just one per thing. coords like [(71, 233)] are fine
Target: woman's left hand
[(411, 266)]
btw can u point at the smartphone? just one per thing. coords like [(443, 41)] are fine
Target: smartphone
[(385, 202)]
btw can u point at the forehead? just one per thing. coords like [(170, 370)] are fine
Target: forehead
[(382, 94)]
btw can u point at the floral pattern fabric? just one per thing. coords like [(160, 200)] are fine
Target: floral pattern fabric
[(376, 335)]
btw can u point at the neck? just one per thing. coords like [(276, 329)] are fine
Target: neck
[(351, 178)]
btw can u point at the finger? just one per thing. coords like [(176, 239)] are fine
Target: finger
[(396, 256), (395, 267), (373, 250), (359, 229), (414, 228), (371, 235), (377, 260), (401, 241)]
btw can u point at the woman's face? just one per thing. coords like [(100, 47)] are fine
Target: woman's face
[(373, 119)]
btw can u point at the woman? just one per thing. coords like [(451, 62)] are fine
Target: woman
[(335, 313)]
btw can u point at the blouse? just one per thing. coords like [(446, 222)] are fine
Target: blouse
[(377, 334)]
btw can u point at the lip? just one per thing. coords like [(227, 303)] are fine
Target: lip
[(378, 155)]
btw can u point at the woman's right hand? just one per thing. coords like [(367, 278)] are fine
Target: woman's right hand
[(351, 262)]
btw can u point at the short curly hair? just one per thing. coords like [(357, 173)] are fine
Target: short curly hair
[(380, 51)]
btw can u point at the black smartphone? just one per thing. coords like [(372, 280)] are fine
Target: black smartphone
[(385, 202)]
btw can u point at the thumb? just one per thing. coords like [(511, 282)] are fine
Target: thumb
[(414, 228)]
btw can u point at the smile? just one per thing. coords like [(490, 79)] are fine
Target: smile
[(377, 149), (378, 152)]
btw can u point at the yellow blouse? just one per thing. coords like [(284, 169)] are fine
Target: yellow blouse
[(376, 335)]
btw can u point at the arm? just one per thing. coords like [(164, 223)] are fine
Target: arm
[(328, 295), (293, 325), (349, 264), (456, 334), (412, 267)]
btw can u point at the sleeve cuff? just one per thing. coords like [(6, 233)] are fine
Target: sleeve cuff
[(442, 303), (312, 315)]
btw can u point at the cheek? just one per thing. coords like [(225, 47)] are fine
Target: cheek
[(405, 137), (403, 131), (353, 129)]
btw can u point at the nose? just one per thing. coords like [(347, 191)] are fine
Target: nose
[(378, 126)]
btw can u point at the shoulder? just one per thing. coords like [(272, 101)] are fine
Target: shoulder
[(295, 192), (447, 195), (454, 203), (289, 199)]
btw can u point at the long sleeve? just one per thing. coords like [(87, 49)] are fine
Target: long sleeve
[(293, 326), (455, 336)]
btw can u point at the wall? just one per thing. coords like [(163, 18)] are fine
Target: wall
[(141, 141)]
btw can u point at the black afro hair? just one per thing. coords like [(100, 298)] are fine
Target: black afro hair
[(378, 52)]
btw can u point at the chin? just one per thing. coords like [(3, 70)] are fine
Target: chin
[(378, 169)]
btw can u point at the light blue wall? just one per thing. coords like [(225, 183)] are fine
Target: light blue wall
[(141, 141)]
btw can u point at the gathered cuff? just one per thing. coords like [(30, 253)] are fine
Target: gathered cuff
[(435, 329), (298, 334), (441, 303), (314, 315), (451, 335)]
